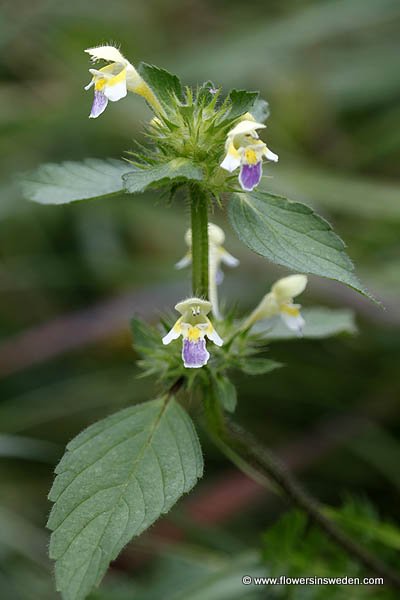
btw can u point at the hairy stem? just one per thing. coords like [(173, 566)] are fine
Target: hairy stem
[(262, 465), (199, 215)]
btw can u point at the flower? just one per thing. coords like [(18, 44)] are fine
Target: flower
[(279, 301), (217, 255), (244, 149), (193, 326), (113, 81)]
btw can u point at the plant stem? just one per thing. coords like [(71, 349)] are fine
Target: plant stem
[(262, 465), (199, 215)]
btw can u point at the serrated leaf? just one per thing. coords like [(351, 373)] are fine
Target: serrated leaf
[(258, 366), (165, 85), (293, 235), (241, 102), (70, 181), (225, 392), (116, 478), (260, 110), (179, 169), (319, 323)]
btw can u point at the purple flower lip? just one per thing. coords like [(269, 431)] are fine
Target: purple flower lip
[(194, 354), (99, 104), (250, 176)]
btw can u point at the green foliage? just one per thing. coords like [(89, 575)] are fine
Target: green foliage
[(191, 573), (166, 87), (291, 234), (70, 181), (225, 392), (296, 548), (240, 352), (121, 474), (239, 103), (175, 171), (117, 477), (361, 520), (319, 323), (258, 366)]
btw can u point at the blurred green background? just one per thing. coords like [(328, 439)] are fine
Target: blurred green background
[(70, 277)]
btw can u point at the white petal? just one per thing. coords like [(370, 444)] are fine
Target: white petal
[(230, 163), (270, 155), (228, 259), (116, 92), (213, 335), (173, 334), (294, 323), (109, 53), (245, 127), (215, 234), (184, 262), (89, 85), (289, 287)]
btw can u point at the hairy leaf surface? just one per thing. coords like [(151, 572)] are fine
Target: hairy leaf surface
[(179, 169), (293, 235), (164, 84), (116, 478), (70, 181), (241, 101)]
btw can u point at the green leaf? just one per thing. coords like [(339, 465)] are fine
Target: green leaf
[(69, 181), (260, 110), (258, 366), (179, 169), (116, 478), (145, 337), (293, 235), (241, 102), (226, 393), (205, 93), (164, 85), (319, 323), (360, 517)]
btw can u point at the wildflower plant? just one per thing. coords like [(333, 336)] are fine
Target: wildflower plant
[(121, 474)]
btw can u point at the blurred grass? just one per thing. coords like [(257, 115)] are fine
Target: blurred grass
[(329, 69)]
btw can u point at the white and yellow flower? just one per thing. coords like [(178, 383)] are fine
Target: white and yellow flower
[(244, 149), (113, 81), (193, 326), (217, 256), (279, 301)]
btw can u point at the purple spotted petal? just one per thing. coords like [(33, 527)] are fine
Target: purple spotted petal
[(99, 104), (250, 176), (194, 354)]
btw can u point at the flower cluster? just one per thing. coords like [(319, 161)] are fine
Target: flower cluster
[(202, 139), (171, 128), (194, 324)]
